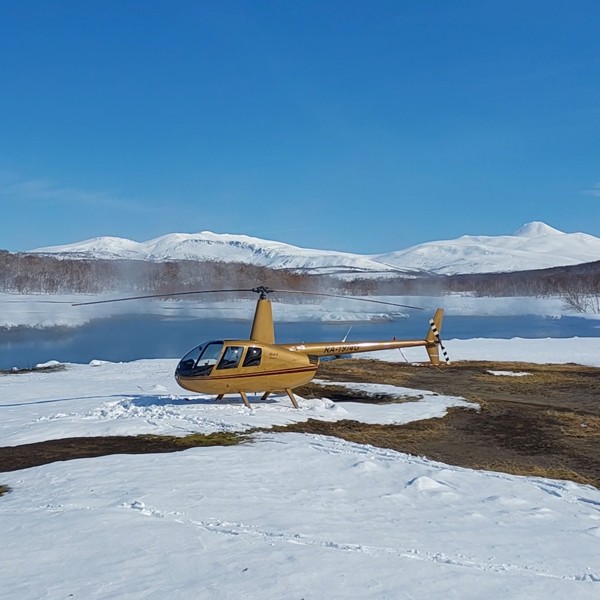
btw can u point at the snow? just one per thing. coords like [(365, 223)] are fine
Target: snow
[(536, 229), (509, 373), (536, 245), (294, 516), (583, 351), (285, 515)]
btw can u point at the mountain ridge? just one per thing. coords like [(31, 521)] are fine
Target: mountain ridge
[(535, 245)]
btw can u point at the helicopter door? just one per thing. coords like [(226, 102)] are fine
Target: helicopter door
[(231, 357)]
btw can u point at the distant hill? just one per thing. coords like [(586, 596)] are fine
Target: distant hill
[(534, 246)]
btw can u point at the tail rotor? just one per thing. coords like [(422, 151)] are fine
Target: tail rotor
[(434, 340)]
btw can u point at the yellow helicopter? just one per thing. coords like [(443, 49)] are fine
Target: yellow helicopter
[(258, 364)]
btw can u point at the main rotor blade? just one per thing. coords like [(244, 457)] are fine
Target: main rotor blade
[(347, 298), (162, 296), (261, 290)]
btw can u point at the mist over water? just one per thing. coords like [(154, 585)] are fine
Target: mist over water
[(127, 338)]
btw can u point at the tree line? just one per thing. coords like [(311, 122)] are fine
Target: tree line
[(22, 273)]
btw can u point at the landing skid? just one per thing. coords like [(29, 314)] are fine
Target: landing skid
[(244, 397)]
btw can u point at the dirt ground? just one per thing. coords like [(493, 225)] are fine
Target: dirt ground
[(544, 423)]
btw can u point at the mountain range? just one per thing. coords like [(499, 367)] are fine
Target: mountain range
[(536, 245)]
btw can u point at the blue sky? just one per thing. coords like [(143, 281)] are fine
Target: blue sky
[(348, 125)]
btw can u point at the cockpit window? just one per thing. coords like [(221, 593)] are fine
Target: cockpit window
[(210, 353), (253, 357), (200, 360), (231, 357)]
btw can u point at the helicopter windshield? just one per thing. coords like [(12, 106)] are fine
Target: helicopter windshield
[(200, 360)]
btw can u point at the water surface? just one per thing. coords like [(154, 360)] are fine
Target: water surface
[(133, 337)]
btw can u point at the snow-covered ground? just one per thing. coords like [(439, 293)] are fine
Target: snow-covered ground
[(142, 397), (284, 516), (582, 351)]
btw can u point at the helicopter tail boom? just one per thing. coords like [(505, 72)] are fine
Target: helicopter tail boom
[(432, 344)]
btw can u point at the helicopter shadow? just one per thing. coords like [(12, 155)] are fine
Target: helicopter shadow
[(56, 400), (145, 401)]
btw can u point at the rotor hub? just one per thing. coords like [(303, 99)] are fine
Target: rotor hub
[(263, 291)]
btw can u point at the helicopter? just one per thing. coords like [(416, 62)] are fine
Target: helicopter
[(258, 364)]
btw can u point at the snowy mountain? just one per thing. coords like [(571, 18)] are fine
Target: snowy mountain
[(225, 248), (534, 246)]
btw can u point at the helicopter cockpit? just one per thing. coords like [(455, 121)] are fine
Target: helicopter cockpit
[(200, 361)]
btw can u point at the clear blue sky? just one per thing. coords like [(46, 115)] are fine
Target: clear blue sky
[(349, 125)]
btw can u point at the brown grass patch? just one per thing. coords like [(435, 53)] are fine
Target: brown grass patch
[(199, 440), (4, 489), (577, 425), (403, 438)]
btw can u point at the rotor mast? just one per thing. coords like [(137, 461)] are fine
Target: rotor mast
[(263, 329)]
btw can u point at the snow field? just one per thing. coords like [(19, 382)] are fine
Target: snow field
[(293, 516), (283, 516)]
